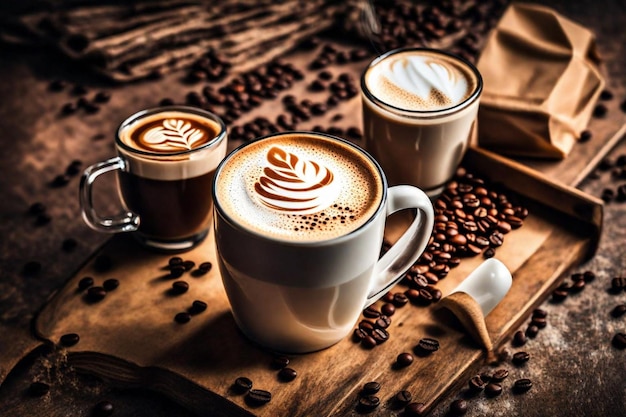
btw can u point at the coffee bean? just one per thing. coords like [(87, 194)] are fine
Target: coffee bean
[(382, 322), (366, 325), (618, 284), (95, 294), (60, 180), (532, 331), (458, 407), (489, 253), (179, 287), (188, 265), (578, 286), (500, 375), (242, 385), (371, 313), (380, 336), (539, 312), (415, 409), (358, 335), (205, 266), (175, 260), (522, 385), (600, 110), (182, 317), (388, 309), (69, 339), (110, 284), (69, 108), (102, 97), (618, 311), (370, 388), (476, 384), (404, 359), (540, 322), (368, 342), (257, 397), (39, 389), (197, 307), (368, 403), (85, 283), (520, 358), (402, 398), (493, 389), (176, 271), (559, 295), (279, 362), (287, 374), (427, 346), (619, 340), (399, 299), (103, 409)]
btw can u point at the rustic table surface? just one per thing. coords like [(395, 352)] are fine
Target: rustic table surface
[(574, 367)]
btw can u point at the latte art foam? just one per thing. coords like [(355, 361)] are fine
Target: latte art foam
[(292, 184), (300, 187), (170, 132), (420, 81)]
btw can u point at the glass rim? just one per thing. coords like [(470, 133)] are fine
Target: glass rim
[(161, 109), (422, 113)]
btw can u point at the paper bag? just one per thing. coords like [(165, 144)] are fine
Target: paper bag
[(541, 83)]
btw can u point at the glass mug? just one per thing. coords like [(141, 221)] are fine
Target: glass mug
[(419, 110), (299, 224), (166, 161)]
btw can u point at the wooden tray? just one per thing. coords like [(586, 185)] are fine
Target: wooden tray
[(131, 338)]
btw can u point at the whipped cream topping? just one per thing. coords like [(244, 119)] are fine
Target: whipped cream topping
[(293, 184), (420, 80)]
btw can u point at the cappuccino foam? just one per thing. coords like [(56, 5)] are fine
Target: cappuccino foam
[(299, 187), (420, 80), (172, 145)]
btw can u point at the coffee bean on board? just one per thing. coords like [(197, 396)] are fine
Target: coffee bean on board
[(95, 294), (182, 317), (279, 362), (69, 339), (522, 385), (287, 374), (426, 346), (256, 397), (242, 385), (179, 287), (110, 284), (415, 409), (519, 338), (402, 398), (370, 388), (458, 407), (500, 375), (85, 283), (476, 384), (197, 307), (368, 403), (520, 358), (404, 359), (493, 389)]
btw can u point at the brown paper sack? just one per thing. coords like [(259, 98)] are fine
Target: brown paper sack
[(541, 83)]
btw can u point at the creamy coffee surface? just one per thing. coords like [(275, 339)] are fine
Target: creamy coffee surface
[(299, 187), (420, 80), (170, 132)]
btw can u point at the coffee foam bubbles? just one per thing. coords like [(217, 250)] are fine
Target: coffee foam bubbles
[(420, 81), (165, 140), (299, 187)]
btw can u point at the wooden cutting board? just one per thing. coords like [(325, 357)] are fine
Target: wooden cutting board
[(130, 337)]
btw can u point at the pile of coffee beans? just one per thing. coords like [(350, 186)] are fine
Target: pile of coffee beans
[(96, 293), (82, 100), (471, 219)]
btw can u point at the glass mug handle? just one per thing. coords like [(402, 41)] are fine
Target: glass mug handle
[(403, 254), (123, 222)]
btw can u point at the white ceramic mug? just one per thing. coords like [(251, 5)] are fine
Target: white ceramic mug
[(295, 286)]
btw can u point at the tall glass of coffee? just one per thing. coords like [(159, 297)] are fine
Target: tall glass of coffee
[(299, 223), (166, 160), (419, 106)]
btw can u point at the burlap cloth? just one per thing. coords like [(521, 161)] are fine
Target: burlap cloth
[(541, 83)]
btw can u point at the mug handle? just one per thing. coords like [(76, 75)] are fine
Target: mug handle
[(123, 222), (402, 255)]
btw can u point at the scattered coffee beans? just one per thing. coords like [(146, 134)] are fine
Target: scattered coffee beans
[(404, 359), (242, 385), (520, 358), (256, 397), (493, 389), (619, 340), (197, 307), (415, 409), (287, 374), (85, 283), (69, 339), (95, 294), (618, 311), (110, 284), (179, 287), (402, 398), (182, 317), (522, 385), (458, 407), (426, 346)]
